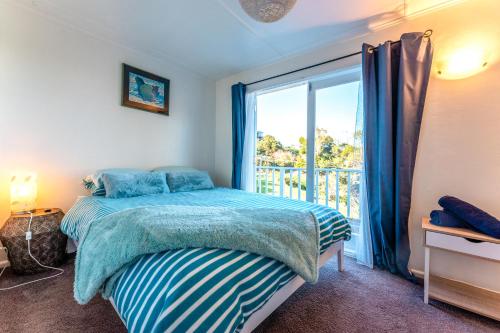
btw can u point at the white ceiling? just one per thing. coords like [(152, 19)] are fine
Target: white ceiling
[(215, 37)]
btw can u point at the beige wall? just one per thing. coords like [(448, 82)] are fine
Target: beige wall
[(60, 112), (459, 151)]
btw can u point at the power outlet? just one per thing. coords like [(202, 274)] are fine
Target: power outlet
[(4, 261)]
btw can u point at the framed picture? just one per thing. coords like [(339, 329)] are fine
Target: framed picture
[(145, 91)]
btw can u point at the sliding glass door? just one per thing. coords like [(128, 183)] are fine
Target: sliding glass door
[(305, 144)]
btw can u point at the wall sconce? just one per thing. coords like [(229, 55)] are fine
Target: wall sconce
[(462, 62), (23, 192)]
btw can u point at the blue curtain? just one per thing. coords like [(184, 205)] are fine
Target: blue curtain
[(238, 92), (395, 78)]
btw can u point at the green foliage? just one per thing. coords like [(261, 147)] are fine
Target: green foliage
[(303, 145), (268, 145), (329, 153)]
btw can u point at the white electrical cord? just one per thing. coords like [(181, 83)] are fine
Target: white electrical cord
[(28, 238)]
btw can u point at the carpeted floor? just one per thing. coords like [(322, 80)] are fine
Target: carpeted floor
[(357, 300)]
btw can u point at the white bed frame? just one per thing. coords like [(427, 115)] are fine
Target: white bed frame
[(284, 293)]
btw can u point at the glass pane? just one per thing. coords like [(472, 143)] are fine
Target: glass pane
[(337, 170), (281, 144)]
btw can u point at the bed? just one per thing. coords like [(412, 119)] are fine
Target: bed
[(204, 289)]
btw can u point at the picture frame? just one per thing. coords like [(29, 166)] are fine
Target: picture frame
[(145, 91)]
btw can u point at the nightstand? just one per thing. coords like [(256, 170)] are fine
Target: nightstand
[(466, 242), (48, 243)]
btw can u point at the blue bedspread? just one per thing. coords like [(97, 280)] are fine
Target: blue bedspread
[(200, 289)]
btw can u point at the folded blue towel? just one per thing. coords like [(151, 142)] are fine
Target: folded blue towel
[(446, 219), (475, 217)]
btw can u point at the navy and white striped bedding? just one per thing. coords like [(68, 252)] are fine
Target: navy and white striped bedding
[(199, 290)]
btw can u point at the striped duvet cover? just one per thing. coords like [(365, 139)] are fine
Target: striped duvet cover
[(199, 290)]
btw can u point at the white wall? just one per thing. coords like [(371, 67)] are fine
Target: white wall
[(60, 112), (459, 150)]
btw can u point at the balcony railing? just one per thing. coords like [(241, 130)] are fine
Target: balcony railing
[(337, 188)]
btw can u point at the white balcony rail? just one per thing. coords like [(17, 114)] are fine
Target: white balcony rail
[(337, 188)]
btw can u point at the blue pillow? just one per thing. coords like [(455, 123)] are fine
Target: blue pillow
[(94, 182), (184, 181), (473, 216), (126, 185)]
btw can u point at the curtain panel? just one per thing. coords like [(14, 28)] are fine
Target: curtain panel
[(238, 92), (364, 247), (395, 78), (248, 160)]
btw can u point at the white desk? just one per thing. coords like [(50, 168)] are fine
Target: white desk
[(466, 242)]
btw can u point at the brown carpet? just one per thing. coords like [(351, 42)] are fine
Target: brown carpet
[(357, 300)]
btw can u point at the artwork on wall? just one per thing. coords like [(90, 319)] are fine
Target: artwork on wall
[(145, 91)]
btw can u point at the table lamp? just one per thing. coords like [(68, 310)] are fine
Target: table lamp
[(23, 192)]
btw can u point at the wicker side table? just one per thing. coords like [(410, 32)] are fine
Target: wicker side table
[(48, 243)]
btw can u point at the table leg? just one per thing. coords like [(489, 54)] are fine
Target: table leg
[(426, 274)]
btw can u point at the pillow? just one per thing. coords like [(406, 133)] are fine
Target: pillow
[(94, 183), (126, 185), (184, 181)]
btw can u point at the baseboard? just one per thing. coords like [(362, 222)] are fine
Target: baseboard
[(417, 273)]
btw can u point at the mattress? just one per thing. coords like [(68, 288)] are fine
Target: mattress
[(200, 289)]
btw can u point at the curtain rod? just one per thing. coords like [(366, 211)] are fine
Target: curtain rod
[(427, 34)]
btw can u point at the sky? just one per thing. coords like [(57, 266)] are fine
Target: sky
[(283, 113)]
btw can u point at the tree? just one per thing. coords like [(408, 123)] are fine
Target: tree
[(330, 154), (303, 145), (325, 149), (268, 145)]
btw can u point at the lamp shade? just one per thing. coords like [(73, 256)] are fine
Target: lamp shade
[(267, 11), (23, 192)]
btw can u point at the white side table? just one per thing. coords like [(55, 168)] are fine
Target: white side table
[(460, 294)]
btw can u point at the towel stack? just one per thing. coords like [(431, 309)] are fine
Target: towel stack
[(460, 214)]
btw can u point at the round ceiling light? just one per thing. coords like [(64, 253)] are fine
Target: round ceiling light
[(267, 11)]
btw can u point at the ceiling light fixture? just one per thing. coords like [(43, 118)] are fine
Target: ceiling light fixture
[(267, 11)]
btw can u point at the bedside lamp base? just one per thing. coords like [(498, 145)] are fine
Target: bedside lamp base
[(48, 243)]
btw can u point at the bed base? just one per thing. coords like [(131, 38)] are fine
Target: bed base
[(285, 292)]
